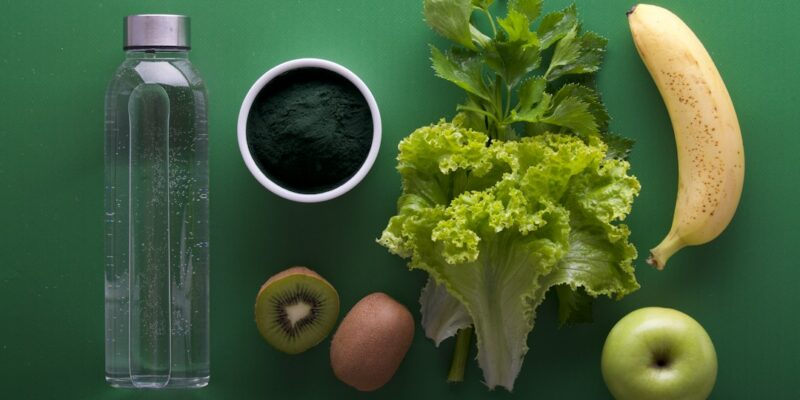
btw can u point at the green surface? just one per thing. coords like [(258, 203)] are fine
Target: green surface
[(57, 57)]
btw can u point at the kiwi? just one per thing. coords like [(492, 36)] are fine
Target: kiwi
[(371, 342), (296, 309)]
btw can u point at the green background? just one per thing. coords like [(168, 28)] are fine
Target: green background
[(55, 61)]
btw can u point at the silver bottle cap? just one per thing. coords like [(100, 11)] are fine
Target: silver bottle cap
[(156, 31)]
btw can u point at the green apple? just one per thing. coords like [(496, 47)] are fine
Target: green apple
[(659, 353)]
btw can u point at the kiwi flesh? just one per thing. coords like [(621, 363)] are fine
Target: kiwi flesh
[(296, 309)]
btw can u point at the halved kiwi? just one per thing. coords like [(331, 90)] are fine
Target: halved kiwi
[(296, 309)]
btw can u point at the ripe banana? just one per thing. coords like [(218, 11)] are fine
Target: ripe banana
[(707, 134)]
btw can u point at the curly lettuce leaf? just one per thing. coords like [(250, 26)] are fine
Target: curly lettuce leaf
[(496, 224), (442, 315), (574, 305)]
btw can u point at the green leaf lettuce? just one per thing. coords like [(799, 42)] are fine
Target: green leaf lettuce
[(497, 223)]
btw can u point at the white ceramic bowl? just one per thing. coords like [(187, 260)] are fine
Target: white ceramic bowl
[(245, 111)]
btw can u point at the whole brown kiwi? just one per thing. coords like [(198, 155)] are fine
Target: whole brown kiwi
[(371, 341)]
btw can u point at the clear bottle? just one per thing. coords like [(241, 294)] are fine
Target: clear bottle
[(156, 211)]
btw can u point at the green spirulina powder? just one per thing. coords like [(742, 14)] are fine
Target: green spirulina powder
[(309, 130)]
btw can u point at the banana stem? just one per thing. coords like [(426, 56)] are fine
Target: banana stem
[(661, 253), (460, 355)]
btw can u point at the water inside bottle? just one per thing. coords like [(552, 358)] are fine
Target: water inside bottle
[(156, 227)]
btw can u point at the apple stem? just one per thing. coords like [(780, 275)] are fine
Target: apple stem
[(460, 355)]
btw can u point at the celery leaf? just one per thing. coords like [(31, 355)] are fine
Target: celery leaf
[(556, 25), (577, 54), (530, 8), (450, 18), (462, 69), (515, 51), (574, 114)]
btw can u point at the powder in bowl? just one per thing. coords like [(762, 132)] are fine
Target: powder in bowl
[(309, 130)]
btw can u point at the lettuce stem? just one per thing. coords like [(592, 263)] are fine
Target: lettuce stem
[(460, 355)]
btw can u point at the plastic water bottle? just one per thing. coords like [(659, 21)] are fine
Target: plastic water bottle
[(156, 211)]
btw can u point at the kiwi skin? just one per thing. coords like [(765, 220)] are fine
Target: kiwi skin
[(292, 271), (371, 342), (267, 327)]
